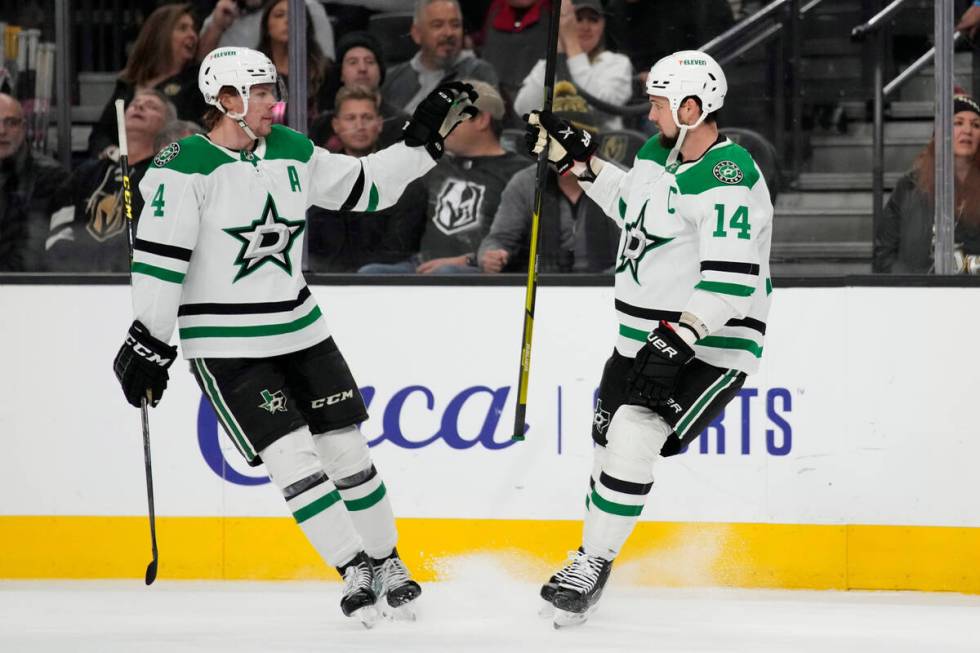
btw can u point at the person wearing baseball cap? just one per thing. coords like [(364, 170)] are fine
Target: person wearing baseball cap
[(904, 240), (583, 60)]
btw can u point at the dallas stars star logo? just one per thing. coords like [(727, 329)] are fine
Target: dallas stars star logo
[(636, 244), (268, 239)]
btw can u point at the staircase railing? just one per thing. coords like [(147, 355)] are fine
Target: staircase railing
[(945, 39)]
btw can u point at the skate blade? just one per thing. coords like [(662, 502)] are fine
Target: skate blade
[(565, 619), (368, 616), (547, 610), (404, 612)]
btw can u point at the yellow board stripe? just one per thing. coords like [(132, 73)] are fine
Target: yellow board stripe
[(663, 554)]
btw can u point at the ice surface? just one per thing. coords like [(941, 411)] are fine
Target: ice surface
[(481, 608)]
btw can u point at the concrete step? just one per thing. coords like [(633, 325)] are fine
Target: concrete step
[(815, 225), (818, 268), (856, 251), (855, 201), (893, 129), (843, 181), (894, 110), (854, 154)]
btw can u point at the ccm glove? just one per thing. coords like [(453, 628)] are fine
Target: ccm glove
[(141, 365), (566, 143), (439, 114), (652, 380)]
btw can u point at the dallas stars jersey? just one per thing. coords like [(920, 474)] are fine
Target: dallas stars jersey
[(695, 238), (220, 238)]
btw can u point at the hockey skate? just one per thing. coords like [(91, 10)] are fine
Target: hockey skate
[(395, 589), (579, 588), (547, 610), (359, 598)]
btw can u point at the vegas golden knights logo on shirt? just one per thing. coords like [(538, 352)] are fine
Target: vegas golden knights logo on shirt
[(104, 209), (458, 206)]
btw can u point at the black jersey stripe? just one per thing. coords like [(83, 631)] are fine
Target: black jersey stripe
[(731, 266), (626, 487), (170, 251), (749, 323), (647, 313), (355, 192), (245, 309)]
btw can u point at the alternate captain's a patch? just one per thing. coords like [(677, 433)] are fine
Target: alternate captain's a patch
[(728, 172), (166, 155)]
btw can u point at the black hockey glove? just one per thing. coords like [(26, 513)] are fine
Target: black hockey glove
[(652, 380), (141, 365), (566, 145), (439, 114)]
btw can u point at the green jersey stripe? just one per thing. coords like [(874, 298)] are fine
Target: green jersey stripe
[(768, 286), (160, 273), (725, 342), (316, 507), (633, 334), (252, 331), (723, 288), (373, 199), (368, 501), (614, 508), (223, 413), (703, 402)]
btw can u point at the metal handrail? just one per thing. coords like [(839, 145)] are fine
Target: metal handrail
[(736, 30), (863, 30), (903, 77)]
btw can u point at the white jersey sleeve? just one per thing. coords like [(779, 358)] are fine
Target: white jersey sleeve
[(370, 183), (165, 239), (610, 189)]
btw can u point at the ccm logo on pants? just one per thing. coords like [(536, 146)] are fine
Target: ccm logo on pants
[(333, 399)]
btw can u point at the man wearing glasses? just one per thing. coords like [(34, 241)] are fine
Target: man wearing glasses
[(27, 181)]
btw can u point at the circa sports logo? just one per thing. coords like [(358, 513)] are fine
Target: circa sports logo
[(458, 206), (728, 172)]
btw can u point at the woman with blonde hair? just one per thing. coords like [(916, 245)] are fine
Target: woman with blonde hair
[(904, 239), (162, 58)]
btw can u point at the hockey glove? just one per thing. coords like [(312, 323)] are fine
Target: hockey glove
[(439, 114), (141, 365), (652, 380), (566, 143)]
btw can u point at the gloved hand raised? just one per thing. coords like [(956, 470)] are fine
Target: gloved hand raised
[(566, 143), (439, 114)]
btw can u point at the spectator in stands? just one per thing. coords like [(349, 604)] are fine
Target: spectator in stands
[(576, 236), (463, 192), (514, 37), (172, 132), (27, 180), (904, 240), (163, 58), (239, 24), (360, 62), (274, 43), (88, 223), (438, 30), (584, 61), (342, 241)]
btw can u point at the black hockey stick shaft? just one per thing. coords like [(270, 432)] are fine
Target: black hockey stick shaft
[(530, 297), (127, 196)]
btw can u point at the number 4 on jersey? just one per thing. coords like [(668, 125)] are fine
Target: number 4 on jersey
[(158, 202), (739, 222)]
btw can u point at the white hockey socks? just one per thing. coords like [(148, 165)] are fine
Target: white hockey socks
[(346, 460), (635, 438), (316, 504)]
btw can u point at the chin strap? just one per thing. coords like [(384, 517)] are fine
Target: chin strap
[(240, 119)]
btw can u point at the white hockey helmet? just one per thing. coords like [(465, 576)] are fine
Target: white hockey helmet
[(240, 68), (686, 73)]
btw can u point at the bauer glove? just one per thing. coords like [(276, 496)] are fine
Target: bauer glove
[(652, 380), (566, 143), (439, 114), (141, 365)]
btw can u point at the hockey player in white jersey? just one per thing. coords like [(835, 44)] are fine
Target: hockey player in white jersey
[(217, 254), (692, 296)]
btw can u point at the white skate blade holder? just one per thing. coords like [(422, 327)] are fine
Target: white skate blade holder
[(404, 612), (368, 616), (565, 619)]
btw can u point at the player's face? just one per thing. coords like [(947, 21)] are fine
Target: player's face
[(279, 23), (11, 126), (966, 134), (590, 28), (660, 116), (360, 68), (357, 125), (183, 41), (261, 100), (146, 113), (439, 33)]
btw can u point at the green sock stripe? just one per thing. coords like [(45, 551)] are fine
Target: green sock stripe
[(367, 501), (315, 508), (614, 508), (227, 420)]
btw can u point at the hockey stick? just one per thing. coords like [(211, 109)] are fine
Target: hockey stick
[(541, 178), (151, 569)]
